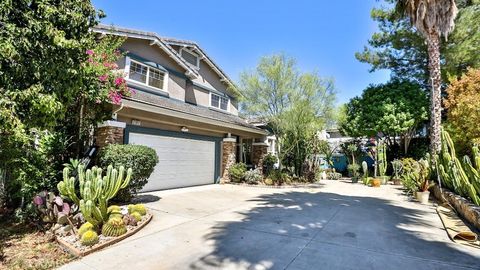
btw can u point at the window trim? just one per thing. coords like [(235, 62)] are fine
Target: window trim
[(219, 102), (128, 62), (192, 53)]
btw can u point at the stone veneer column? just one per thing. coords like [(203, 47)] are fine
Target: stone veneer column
[(229, 157), (109, 132), (260, 150)]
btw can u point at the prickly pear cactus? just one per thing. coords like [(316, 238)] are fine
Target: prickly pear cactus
[(114, 227), (89, 238)]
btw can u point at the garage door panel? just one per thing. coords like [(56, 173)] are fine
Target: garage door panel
[(182, 161)]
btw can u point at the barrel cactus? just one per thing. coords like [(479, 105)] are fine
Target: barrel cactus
[(137, 216), (139, 208), (94, 190), (114, 227), (87, 226), (89, 238)]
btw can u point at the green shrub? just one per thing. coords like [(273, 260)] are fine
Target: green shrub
[(237, 172), (269, 163), (334, 176), (279, 178), (141, 159), (353, 169), (253, 176)]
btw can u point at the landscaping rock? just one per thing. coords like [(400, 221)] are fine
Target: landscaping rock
[(464, 207)]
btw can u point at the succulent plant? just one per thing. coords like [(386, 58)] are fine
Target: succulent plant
[(89, 238), (137, 216), (130, 219), (112, 208), (87, 226), (114, 227), (139, 208), (461, 177), (94, 190), (52, 208)]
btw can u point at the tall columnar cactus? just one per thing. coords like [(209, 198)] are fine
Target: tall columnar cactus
[(94, 191), (382, 159), (365, 172), (461, 177)]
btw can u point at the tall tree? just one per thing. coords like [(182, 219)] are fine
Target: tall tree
[(433, 19), (395, 109), (401, 49), (295, 105), (463, 114)]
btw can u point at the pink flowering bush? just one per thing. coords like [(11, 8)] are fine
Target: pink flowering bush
[(110, 83)]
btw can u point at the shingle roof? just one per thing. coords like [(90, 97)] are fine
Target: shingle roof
[(180, 106), (167, 41)]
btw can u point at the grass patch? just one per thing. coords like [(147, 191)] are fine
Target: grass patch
[(25, 247)]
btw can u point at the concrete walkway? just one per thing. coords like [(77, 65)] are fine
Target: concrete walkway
[(337, 225)]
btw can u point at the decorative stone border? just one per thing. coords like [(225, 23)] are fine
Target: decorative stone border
[(311, 185), (79, 253), (464, 208)]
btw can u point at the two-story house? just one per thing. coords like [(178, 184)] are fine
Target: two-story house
[(185, 107)]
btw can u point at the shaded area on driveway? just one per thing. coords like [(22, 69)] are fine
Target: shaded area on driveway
[(331, 231), (334, 226)]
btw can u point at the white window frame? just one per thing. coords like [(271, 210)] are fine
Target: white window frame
[(192, 53), (128, 62), (219, 102)]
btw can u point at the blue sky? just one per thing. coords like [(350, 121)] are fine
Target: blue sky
[(322, 35)]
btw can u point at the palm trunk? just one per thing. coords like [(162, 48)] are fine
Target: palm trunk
[(435, 93)]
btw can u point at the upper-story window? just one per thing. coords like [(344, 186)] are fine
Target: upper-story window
[(190, 57), (146, 75), (219, 102)]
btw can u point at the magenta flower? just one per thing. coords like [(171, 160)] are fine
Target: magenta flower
[(103, 78), (90, 52), (119, 81), (115, 97)]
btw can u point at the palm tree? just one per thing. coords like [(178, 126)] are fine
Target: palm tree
[(433, 19)]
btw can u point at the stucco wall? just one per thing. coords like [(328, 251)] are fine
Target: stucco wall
[(142, 48)]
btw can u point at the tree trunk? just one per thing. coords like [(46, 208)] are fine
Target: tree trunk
[(435, 93)]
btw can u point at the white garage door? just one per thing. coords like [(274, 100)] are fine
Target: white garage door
[(182, 162)]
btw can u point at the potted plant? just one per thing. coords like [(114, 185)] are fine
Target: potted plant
[(397, 170), (376, 182), (353, 171), (424, 184)]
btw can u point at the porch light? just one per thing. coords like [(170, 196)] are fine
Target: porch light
[(184, 129)]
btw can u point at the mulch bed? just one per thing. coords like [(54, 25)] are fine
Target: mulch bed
[(23, 246), (72, 243)]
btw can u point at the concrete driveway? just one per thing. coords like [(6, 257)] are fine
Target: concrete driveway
[(336, 225)]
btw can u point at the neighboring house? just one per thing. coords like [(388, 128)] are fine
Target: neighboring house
[(335, 139), (185, 107)]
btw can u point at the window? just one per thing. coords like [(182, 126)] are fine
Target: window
[(138, 72), (155, 78), (219, 102), (190, 57), (146, 75)]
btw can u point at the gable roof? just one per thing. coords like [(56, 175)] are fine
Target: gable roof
[(166, 44), (154, 40), (192, 44)]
